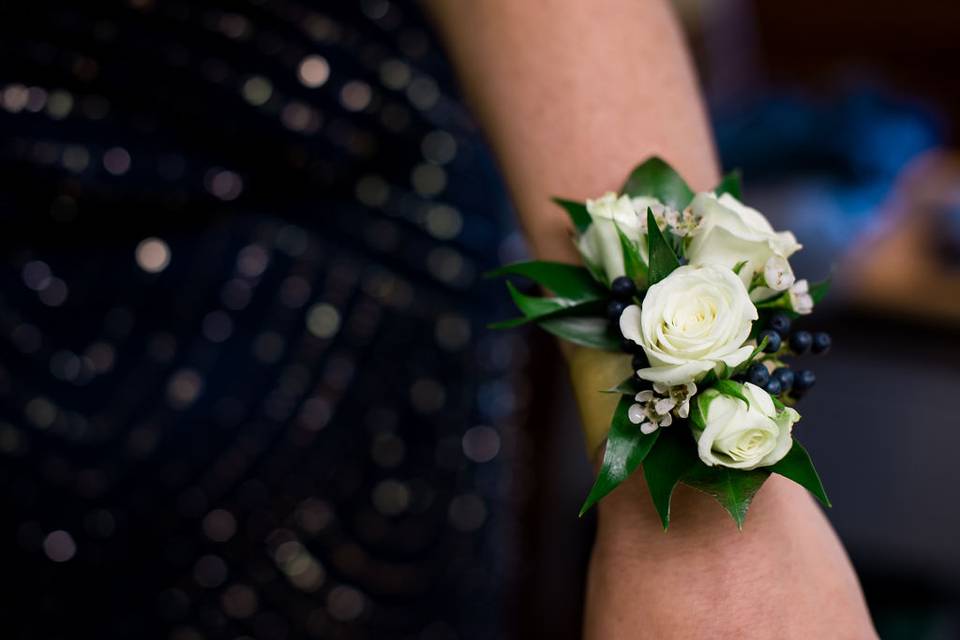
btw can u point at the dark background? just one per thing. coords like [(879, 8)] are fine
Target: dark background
[(245, 386)]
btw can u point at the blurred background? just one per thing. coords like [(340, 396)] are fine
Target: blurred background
[(245, 386)]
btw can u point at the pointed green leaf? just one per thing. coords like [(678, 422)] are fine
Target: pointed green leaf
[(757, 350), (697, 418), (657, 179), (780, 302), (733, 488), (535, 308), (627, 446), (633, 264), (739, 266), (578, 213), (731, 388), (590, 332), (629, 387), (731, 184), (662, 258), (819, 290), (565, 280), (797, 466), (672, 457)]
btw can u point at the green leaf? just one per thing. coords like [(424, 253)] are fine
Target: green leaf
[(578, 213), (732, 488), (739, 266), (731, 388), (819, 290), (627, 446), (536, 308), (781, 301), (585, 331), (633, 264), (629, 387), (797, 466), (697, 419), (708, 380), (565, 280), (657, 179), (743, 366), (731, 184), (662, 258), (673, 456)]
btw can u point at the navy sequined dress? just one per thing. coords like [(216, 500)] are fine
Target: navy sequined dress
[(245, 388)]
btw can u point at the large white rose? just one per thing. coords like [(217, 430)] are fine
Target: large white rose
[(692, 320), (731, 232), (741, 436), (600, 244)]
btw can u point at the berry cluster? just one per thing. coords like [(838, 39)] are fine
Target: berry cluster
[(782, 341), (624, 292)]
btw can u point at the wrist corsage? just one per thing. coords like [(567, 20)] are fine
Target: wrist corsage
[(697, 289)]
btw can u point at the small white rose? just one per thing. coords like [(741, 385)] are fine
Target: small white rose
[(730, 232), (741, 436), (800, 299), (691, 321), (600, 244)]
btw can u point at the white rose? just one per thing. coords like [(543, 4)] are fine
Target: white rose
[(600, 243), (692, 320), (731, 232), (733, 434)]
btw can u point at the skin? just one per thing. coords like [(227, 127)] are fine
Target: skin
[(571, 95)]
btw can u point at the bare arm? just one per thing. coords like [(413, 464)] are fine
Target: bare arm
[(571, 95)]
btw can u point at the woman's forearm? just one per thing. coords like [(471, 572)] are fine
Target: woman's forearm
[(571, 95)]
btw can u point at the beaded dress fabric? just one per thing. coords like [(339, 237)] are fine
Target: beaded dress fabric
[(245, 385)]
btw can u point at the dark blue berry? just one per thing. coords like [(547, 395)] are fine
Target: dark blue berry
[(758, 374), (821, 342), (639, 361), (614, 309), (623, 288), (628, 346), (780, 322), (800, 342), (773, 340), (803, 380), (785, 376), (773, 387)]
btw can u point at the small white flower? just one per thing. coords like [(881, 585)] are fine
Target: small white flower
[(645, 414), (654, 409), (668, 219), (777, 273), (678, 395), (800, 299)]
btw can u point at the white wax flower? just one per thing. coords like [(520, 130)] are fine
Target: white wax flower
[(653, 409), (646, 413), (731, 233), (800, 299), (691, 321), (741, 436), (600, 244), (777, 274)]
